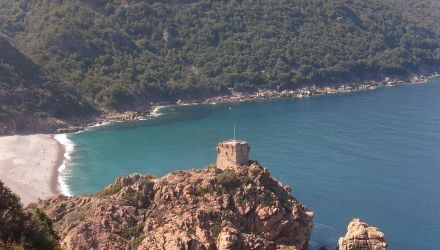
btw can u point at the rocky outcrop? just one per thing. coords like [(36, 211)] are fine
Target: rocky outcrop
[(125, 116), (196, 209), (29, 124), (360, 236)]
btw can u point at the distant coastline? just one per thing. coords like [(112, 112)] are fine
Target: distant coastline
[(313, 91), (51, 125), (261, 94)]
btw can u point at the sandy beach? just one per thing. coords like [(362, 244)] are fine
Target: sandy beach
[(28, 165)]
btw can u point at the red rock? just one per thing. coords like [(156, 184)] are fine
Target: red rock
[(185, 210), (360, 236)]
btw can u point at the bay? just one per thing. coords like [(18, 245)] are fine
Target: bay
[(368, 154)]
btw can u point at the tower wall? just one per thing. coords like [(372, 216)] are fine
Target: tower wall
[(233, 153)]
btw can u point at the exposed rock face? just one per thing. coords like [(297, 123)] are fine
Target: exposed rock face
[(28, 123), (195, 209), (360, 236)]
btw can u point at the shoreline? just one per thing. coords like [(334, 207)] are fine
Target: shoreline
[(261, 94), (66, 149), (55, 184), (28, 165), (58, 126)]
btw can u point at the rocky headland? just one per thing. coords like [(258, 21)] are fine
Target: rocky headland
[(233, 204), (208, 208)]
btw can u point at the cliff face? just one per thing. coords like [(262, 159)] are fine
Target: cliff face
[(194, 209), (361, 236)]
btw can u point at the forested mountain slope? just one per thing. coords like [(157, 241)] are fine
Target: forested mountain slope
[(28, 94), (124, 54)]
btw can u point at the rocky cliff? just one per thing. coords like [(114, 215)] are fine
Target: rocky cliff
[(360, 236), (196, 209)]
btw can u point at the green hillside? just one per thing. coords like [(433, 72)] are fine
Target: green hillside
[(125, 54), (26, 90)]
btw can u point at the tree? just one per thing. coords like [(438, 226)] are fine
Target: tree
[(20, 228)]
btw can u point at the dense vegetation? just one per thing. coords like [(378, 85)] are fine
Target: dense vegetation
[(26, 89), (23, 229), (122, 54)]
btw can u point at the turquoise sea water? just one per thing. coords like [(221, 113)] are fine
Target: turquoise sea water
[(372, 154)]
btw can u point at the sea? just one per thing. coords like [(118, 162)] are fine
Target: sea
[(373, 155)]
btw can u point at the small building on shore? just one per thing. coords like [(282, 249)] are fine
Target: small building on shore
[(232, 153)]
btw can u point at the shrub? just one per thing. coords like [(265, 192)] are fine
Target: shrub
[(133, 231), (191, 231), (266, 198), (228, 179), (203, 191), (242, 199), (200, 191), (147, 179), (109, 190), (256, 171), (216, 229), (132, 199), (246, 179), (46, 221), (134, 244), (220, 190)]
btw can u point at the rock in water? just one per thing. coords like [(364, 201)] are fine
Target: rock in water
[(209, 208), (360, 236)]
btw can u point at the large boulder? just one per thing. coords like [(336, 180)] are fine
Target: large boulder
[(360, 236)]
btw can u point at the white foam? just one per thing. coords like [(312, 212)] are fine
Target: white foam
[(156, 111), (189, 104), (100, 124), (68, 150), (318, 225), (94, 126)]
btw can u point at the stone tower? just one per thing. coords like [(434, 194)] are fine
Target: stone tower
[(232, 153)]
